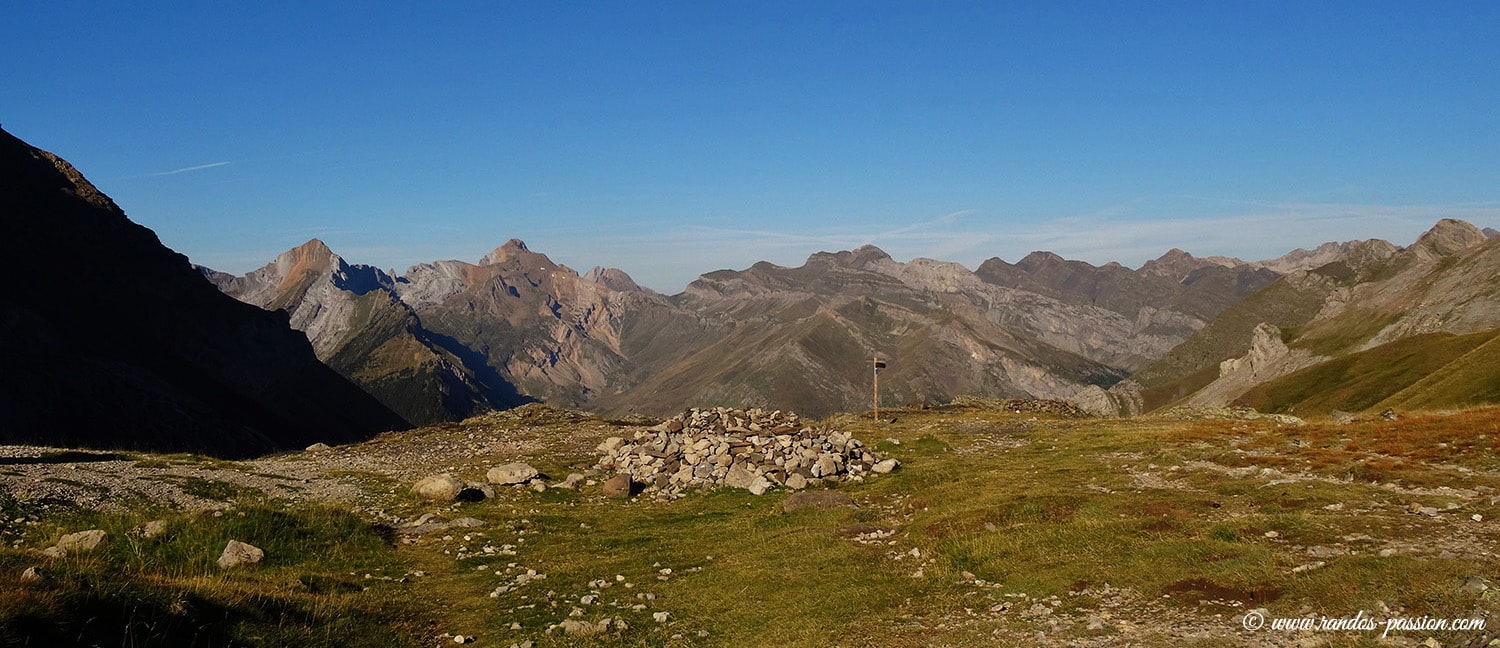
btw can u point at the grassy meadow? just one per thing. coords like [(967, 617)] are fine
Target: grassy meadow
[(998, 529)]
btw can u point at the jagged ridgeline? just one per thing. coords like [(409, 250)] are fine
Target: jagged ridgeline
[(448, 338), (128, 347)]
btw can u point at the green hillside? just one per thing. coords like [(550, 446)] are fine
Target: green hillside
[(1472, 379), (1433, 370)]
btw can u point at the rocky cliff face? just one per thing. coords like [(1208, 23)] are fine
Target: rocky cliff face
[(360, 327), (132, 348)]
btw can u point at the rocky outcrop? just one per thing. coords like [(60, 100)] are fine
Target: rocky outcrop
[(130, 347), (1123, 399), (750, 449), (1268, 358)]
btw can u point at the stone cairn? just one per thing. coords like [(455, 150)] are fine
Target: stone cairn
[(751, 449)]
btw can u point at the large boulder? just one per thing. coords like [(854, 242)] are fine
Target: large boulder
[(238, 553), (618, 487), (442, 487), (74, 543), (511, 473)]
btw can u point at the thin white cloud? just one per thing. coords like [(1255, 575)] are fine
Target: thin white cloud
[(199, 167)]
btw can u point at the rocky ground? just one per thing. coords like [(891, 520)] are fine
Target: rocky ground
[(1000, 526)]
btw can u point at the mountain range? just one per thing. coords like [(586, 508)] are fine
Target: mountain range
[(449, 338), (134, 346)]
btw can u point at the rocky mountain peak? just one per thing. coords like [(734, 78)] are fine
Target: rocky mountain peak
[(612, 278), (510, 250), (1174, 265), (857, 258), (1448, 237), (1039, 259), (1490, 232)]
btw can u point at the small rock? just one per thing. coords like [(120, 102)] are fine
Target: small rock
[(1388, 552), (442, 487), (618, 487), (511, 473), (1474, 585), (572, 482), (660, 617), (1342, 417), (460, 639), (238, 553), (153, 528), (1476, 517), (1389, 415), (1272, 534), (886, 466), (1320, 551), (33, 575), (538, 486), (796, 482), (318, 447)]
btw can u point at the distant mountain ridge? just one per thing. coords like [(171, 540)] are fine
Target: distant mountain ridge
[(128, 347), (797, 338)]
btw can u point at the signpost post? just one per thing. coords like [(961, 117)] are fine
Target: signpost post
[(878, 364)]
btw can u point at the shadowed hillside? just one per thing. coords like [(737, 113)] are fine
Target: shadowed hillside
[(127, 346)]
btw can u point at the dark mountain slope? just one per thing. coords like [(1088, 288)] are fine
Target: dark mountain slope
[(130, 347)]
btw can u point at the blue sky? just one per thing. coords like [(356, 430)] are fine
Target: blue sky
[(673, 139)]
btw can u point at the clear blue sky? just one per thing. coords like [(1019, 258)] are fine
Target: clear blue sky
[(672, 139)]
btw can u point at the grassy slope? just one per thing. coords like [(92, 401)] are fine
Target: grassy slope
[(1362, 380), (1036, 507), (1470, 380)]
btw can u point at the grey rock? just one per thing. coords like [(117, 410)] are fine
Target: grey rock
[(739, 477), (238, 553), (1320, 551), (153, 528), (318, 447), (572, 482), (1475, 585), (33, 575), (886, 466), (796, 482), (1342, 418), (511, 473), (81, 542), (442, 487)]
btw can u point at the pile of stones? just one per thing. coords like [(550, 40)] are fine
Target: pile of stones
[(751, 449)]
